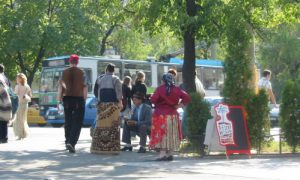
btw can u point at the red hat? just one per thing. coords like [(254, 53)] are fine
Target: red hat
[(73, 59)]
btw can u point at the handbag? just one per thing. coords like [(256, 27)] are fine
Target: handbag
[(26, 97)]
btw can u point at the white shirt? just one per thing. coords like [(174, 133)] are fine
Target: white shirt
[(264, 83)]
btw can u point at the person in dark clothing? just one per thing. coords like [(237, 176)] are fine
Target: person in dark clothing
[(126, 91), (139, 85), (5, 84), (5, 110), (73, 91), (2, 68)]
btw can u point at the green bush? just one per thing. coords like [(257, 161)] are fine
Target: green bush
[(257, 120), (197, 114), (290, 113)]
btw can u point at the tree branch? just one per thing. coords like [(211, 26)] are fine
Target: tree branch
[(104, 39), (21, 63)]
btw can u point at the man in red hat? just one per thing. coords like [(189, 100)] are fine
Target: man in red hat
[(73, 92)]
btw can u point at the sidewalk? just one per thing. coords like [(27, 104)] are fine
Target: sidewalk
[(42, 156)]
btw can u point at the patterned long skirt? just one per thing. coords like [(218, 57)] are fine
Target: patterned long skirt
[(165, 133), (106, 137), (20, 125)]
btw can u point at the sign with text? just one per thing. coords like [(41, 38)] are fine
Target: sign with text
[(224, 125), (232, 129)]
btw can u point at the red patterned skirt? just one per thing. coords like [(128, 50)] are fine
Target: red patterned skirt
[(166, 132)]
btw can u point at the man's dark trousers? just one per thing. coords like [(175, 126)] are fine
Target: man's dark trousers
[(3, 131), (141, 130), (74, 108)]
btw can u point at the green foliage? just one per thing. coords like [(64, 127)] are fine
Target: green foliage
[(290, 113), (32, 30), (237, 64), (197, 114), (280, 53), (258, 119), (132, 44)]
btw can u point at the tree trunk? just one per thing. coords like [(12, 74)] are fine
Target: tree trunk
[(104, 39), (37, 62), (188, 69), (251, 53), (213, 49)]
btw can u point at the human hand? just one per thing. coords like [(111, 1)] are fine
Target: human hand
[(131, 122), (180, 105)]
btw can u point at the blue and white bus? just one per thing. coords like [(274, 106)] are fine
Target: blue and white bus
[(210, 72)]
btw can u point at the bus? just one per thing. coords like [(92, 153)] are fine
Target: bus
[(210, 72)]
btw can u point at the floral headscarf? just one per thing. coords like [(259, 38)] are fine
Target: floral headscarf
[(169, 81)]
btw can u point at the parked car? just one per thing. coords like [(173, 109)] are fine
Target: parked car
[(274, 116), (33, 116), (56, 117), (213, 100)]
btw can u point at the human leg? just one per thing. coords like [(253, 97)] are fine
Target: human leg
[(77, 121), (3, 132)]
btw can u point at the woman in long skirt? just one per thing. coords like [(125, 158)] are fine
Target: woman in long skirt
[(108, 90), (166, 130), (23, 91)]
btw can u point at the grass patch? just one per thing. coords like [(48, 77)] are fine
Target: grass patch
[(273, 147), (189, 149)]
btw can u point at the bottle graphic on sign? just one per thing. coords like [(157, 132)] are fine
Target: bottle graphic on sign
[(224, 125)]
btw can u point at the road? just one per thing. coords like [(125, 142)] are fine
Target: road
[(42, 156)]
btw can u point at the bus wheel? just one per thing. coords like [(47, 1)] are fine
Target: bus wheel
[(57, 125), (42, 125)]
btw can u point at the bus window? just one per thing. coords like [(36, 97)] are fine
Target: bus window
[(49, 79), (102, 66), (211, 78), (131, 70)]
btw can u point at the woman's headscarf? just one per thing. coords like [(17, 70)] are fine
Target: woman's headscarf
[(169, 82)]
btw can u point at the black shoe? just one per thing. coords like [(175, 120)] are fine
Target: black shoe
[(70, 148), (142, 150), (170, 158), (126, 148), (165, 158)]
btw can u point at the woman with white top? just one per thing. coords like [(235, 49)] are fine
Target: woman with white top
[(24, 93)]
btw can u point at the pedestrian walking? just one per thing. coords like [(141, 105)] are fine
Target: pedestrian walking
[(22, 89), (108, 90), (166, 131), (5, 110), (264, 83), (72, 92)]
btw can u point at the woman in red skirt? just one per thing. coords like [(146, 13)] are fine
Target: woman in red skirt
[(166, 130)]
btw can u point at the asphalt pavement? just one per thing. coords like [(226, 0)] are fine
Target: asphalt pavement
[(43, 156)]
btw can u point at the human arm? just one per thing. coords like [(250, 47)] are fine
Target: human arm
[(29, 93), (85, 92), (119, 94), (96, 86), (185, 99), (272, 97), (147, 115)]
